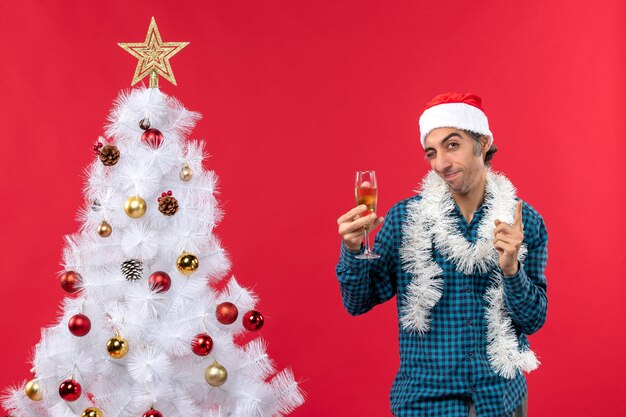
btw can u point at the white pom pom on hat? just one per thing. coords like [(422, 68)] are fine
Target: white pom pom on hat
[(455, 110)]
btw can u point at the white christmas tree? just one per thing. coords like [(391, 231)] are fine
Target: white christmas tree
[(144, 331)]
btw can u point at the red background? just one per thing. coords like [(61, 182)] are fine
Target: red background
[(298, 95)]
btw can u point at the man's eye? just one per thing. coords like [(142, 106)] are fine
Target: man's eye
[(430, 155), (453, 145)]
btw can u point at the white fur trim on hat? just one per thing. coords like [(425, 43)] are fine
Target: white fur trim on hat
[(456, 115)]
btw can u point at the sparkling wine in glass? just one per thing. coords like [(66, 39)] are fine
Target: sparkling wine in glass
[(366, 192)]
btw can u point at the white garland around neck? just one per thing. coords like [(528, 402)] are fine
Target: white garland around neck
[(429, 222)]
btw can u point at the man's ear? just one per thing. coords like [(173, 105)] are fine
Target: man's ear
[(484, 144)]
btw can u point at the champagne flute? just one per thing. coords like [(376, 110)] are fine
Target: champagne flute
[(366, 192)]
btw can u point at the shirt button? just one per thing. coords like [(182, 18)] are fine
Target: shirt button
[(469, 322), (471, 354), (473, 389), (468, 290)]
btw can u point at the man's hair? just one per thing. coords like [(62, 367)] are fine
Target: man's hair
[(477, 145)]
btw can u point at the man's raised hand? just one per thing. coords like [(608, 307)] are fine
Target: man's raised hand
[(507, 240), (352, 226)]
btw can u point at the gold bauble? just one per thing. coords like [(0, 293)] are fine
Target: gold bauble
[(186, 174), (93, 412), (104, 229), (187, 263), (135, 207), (33, 390), (215, 375), (117, 347)]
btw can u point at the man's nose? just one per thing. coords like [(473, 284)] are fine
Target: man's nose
[(442, 163)]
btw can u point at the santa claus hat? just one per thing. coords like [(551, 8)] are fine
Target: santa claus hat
[(460, 111)]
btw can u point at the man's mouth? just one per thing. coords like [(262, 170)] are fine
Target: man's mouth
[(450, 175)]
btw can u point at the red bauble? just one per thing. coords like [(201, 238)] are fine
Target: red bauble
[(79, 325), (70, 281), (159, 281), (70, 390), (253, 320), (226, 313), (153, 137), (152, 413), (202, 344)]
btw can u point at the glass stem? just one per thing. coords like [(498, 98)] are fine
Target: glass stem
[(367, 241)]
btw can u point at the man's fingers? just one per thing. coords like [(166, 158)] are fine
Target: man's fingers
[(362, 222), (504, 247), (359, 231), (503, 228), (377, 223), (349, 216), (366, 221), (354, 236), (505, 238), (517, 222)]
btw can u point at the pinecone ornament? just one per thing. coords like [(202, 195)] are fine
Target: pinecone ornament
[(132, 269), (168, 205), (109, 155)]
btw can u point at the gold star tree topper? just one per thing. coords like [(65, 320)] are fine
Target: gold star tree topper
[(154, 56)]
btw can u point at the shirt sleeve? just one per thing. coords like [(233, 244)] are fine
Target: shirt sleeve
[(525, 292), (365, 283)]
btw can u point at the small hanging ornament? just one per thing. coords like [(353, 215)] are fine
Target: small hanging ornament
[(152, 413), (144, 124), (109, 155), (132, 269), (202, 344), (152, 137), (70, 390), (226, 313), (93, 412), (160, 281), (168, 205), (186, 174), (79, 325), (135, 207), (117, 347), (70, 282), (104, 229), (187, 263), (33, 390), (215, 375), (96, 148), (253, 320)]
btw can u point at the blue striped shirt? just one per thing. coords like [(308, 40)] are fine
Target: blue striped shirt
[(443, 368)]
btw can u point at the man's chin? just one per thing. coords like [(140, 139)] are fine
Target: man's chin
[(456, 187), (455, 183)]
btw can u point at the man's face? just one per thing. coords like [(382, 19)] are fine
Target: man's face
[(451, 154)]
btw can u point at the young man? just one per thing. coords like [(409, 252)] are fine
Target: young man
[(466, 260)]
